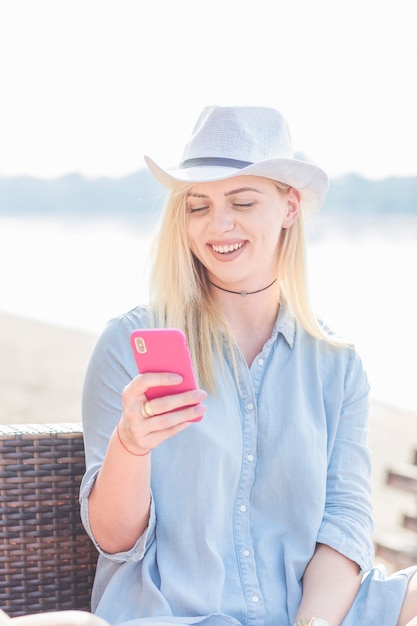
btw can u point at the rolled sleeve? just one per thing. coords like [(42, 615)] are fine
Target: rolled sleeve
[(138, 550), (347, 522)]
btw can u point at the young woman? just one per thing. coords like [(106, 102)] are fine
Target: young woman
[(260, 512)]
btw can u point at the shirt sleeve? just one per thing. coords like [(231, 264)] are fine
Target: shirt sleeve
[(347, 524), (110, 369)]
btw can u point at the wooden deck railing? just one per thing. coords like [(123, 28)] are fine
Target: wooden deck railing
[(400, 549)]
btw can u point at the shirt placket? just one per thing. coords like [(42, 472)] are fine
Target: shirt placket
[(242, 523)]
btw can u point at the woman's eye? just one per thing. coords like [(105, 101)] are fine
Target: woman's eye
[(243, 205), (197, 209)]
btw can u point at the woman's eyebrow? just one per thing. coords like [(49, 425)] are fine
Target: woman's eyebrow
[(196, 195), (241, 189), (193, 194)]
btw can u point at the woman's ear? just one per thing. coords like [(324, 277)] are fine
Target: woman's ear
[(293, 208)]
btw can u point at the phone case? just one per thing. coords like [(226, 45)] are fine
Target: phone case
[(163, 350)]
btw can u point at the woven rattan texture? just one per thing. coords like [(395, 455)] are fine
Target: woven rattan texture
[(47, 562)]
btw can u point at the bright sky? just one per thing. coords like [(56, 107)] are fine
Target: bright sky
[(89, 86)]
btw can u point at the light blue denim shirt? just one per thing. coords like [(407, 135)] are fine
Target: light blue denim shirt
[(240, 499)]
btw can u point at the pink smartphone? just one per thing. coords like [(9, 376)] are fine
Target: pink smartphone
[(163, 350)]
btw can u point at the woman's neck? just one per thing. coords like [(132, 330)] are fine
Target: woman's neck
[(250, 318)]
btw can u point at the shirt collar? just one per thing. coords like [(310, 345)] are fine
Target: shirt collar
[(285, 325)]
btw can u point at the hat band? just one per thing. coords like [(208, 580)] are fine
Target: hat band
[(211, 161)]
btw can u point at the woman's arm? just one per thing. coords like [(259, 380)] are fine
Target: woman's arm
[(330, 584), (119, 502)]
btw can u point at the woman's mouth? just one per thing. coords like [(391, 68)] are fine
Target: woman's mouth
[(226, 249)]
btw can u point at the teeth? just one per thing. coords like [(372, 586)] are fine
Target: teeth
[(226, 249)]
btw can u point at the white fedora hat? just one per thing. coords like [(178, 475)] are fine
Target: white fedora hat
[(244, 140)]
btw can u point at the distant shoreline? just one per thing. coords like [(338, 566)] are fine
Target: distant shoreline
[(140, 194)]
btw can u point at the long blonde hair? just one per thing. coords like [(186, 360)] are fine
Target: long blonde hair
[(180, 291)]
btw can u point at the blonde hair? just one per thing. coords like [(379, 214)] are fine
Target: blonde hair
[(180, 291)]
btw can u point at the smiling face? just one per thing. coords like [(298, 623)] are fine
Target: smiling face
[(234, 228)]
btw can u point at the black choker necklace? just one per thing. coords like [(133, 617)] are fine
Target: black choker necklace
[(243, 293)]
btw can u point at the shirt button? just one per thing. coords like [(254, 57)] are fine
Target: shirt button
[(245, 552), (261, 361), (249, 406), (242, 508), (250, 457), (255, 599)]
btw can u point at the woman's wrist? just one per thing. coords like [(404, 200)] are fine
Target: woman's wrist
[(125, 447)]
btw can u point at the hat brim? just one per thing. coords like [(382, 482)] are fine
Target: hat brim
[(310, 181)]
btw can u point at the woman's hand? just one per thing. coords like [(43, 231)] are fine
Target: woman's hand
[(119, 502), (145, 424)]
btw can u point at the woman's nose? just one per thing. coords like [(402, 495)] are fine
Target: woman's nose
[(222, 220)]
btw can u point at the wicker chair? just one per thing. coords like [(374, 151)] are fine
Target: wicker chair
[(47, 562)]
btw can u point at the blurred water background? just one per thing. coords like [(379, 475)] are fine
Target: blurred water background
[(79, 270)]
